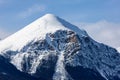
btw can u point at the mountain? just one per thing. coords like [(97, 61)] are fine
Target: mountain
[(50, 48)]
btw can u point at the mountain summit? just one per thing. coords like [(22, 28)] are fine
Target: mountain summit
[(51, 48), (37, 30)]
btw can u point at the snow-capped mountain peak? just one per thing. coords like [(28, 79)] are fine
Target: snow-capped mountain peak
[(50, 48), (38, 29)]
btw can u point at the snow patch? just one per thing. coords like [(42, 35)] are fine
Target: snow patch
[(35, 64), (18, 59), (60, 72), (118, 49)]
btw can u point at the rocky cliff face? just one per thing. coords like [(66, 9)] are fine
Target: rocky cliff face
[(53, 49), (9, 72)]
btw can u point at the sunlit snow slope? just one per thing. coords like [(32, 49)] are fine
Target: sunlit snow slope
[(35, 31), (118, 49)]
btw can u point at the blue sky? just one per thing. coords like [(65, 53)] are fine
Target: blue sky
[(15, 14)]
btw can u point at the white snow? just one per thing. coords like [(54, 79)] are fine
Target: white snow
[(35, 31), (18, 59), (118, 49), (60, 72), (38, 30), (35, 64)]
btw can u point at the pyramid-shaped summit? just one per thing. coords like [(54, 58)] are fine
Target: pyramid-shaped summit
[(50, 48), (38, 29)]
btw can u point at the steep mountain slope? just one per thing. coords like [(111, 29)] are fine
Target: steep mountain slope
[(9, 72), (53, 49)]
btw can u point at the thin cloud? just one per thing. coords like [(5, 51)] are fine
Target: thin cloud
[(104, 32), (32, 10)]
